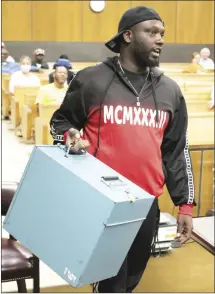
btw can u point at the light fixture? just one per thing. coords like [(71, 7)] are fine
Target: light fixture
[(97, 5)]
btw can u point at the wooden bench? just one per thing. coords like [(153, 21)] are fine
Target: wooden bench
[(198, 96), (29, 114), (6, 97), (197, 106), (191, 77), (17, 102), (42, 129)]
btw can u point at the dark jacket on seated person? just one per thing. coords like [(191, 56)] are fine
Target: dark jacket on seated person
[(44, 65)]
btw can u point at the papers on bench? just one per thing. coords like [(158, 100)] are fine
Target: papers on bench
[(166, 232), (203, 232)]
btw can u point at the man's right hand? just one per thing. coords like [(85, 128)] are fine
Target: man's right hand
[(75, 143)]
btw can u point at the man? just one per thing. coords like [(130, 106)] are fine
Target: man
[(134, 119), (62, 62), (205, 61), (54, 93), (9, 58), (8, 67), (38, 62)]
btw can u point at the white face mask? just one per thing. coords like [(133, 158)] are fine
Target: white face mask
[(25, 68)]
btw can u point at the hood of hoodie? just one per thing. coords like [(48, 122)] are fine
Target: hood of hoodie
[(153, 77), (112, 62)]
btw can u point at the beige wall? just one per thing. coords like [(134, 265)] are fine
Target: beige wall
[(190, 22)]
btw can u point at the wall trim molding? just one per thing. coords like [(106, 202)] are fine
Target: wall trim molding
[(96, 52)]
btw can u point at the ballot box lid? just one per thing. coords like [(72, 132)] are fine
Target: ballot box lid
[(100, 176)]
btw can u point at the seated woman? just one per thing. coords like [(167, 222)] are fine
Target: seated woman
[(23, 77), (62, 61), (194, 67)]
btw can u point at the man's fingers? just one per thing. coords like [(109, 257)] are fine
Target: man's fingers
[(179, 229), (77, 136), (84, 144), (79, 146), (74, 133), (184, 238)]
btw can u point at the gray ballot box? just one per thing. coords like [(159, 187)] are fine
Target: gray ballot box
[(76, 214)]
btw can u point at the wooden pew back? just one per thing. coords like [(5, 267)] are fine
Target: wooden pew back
[(42, 129)]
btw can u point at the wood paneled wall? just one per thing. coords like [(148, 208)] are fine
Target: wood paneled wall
[(16, 20), (190, 22)]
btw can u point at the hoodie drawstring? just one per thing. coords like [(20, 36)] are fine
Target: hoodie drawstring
[(100, 113), (155, 100)]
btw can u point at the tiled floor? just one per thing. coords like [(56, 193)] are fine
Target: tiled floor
[(14, 154), (14, 159)]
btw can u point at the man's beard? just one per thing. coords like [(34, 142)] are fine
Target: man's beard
[(143, 59)]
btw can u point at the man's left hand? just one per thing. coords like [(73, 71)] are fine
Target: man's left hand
[(185, 226)]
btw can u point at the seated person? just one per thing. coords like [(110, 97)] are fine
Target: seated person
[(9, 58), (194, 67), (8, 67), (211, 103), (205, 61), (64, 56), (38, 62), (24, 77), (54, 93), (62, 62)]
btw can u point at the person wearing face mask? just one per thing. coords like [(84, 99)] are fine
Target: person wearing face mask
[(23, 77)]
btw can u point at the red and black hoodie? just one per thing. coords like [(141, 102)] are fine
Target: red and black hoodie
[(147, 144)]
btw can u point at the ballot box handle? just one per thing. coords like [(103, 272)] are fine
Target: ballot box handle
[(67, 150), (125, 222), (113, 181)]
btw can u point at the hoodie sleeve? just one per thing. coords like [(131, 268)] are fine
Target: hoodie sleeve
[(177, 161), (72, 112)]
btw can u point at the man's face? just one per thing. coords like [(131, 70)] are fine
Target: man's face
[(146, 42), (39, 57), (205, 53), (61, 74), (4, 55)]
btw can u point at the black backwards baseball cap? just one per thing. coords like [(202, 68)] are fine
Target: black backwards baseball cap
[(130, 18)]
